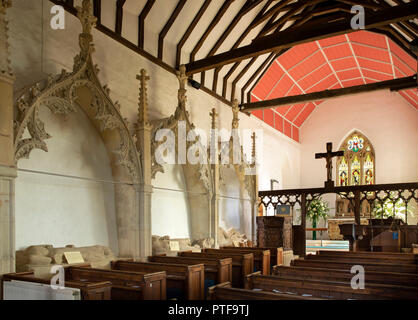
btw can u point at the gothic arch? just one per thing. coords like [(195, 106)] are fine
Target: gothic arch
[(198, 177), (81, 89), (243, 173), (358, 165)]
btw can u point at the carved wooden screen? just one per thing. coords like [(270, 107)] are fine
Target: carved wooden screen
[(358, 165)]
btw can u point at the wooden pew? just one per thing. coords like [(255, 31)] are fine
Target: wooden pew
[(276, 254), (126, 285), (100, 290), (329, 289), (224, 291), (378, 256), (216, 270), (371, 277), (183, 281), (242, 263), (262, 260), (368, 266), (360, 260)]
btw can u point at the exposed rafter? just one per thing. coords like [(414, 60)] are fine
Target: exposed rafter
[(396, 84), (167, 27), (303, 34), (119, 16), (141, 22), (211, 26), (190, 29)]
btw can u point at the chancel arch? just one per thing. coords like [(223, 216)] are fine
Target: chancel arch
[(80, 90)]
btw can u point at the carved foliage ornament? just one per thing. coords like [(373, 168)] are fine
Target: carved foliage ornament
[(5, 68), (59, 94)]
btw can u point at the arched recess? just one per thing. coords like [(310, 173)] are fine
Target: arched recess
[(198, 177), (239, 177), (81, 90)]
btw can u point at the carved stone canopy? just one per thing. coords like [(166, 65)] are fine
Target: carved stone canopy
[(63, 92)]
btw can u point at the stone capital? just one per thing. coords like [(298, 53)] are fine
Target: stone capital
[(8, 172)]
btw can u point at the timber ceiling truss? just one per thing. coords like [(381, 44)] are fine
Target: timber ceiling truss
[(243, 38)]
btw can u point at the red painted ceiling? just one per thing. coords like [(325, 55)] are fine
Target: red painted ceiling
[(338, 62)]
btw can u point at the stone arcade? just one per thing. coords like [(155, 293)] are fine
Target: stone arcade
[(143, 137)]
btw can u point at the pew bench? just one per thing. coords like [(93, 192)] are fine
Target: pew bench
[(225, 291), (330, 289), (242, 263), (126, 285), (371, 277), (100, 290), (378, 256), (216, 270), (368, 266), (182, 281), (276, 254), (361, 259), (262, 259)]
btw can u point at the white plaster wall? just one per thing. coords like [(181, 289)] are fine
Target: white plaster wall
[(387, 120), (170, 210), (41, 50), (59, 210)]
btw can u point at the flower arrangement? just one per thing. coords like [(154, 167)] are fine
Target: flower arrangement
[(316, 210)]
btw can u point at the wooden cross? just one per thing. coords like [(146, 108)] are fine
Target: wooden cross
[(328, 156)]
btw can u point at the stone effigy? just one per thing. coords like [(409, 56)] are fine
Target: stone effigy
[(231, 237)]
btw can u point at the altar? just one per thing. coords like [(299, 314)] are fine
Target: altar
[(334, 232)]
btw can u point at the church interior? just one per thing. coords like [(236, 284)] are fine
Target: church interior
[(208, 150)]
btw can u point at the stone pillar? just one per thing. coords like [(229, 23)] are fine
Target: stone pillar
[(8, 170), (144, 191), (214, 201)]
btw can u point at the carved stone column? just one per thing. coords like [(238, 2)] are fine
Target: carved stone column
[(8, 170), (214, 216), (143, 134)]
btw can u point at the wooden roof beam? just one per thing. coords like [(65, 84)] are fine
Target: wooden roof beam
[(365, 4), (275, 9), (211, 26), (238, 42), (303, 34), (190, 29), (97, 10), (236, 64), (141, 22), (396, 84), (247, 7), (167, 27), (119, 16)]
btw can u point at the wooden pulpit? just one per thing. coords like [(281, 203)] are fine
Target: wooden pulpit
[(273, 231)]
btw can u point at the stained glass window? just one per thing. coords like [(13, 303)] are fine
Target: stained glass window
[(368, 169), (343, 172), (357, 166)]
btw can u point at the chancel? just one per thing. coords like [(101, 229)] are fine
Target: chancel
[(171, 150)]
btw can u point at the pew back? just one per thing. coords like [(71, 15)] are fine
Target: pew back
[(276, 254), (126, 285), (100, 290), (242, 263), (261, 257), (224, 291), (188, 279), (330, 289), (218, 270), (375, 277), (368, 266)]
